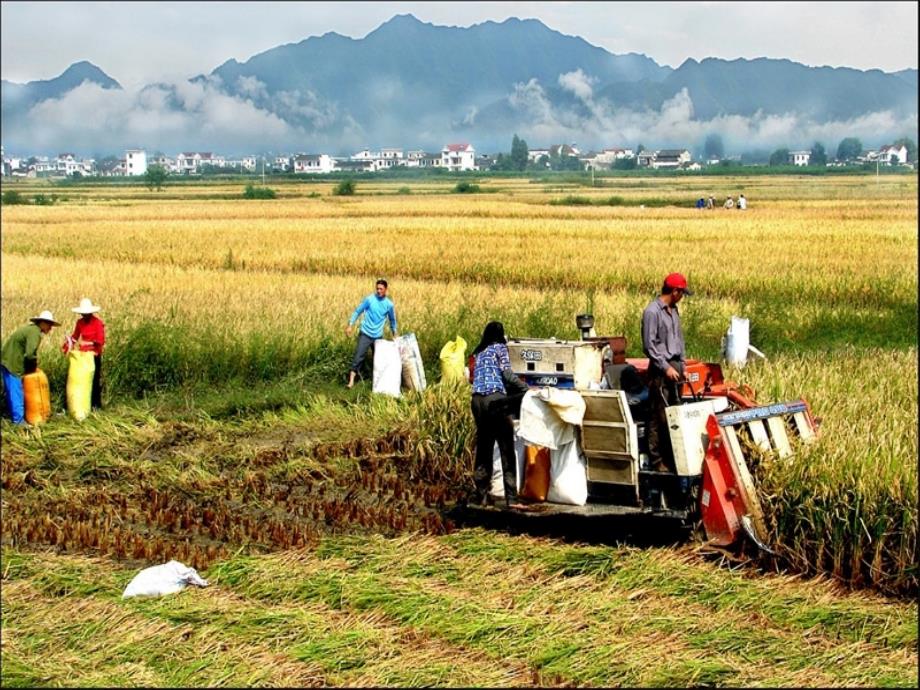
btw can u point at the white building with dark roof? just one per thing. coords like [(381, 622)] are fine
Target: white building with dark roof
[(313, 163)]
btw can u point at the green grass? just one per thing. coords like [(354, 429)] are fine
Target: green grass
[(422, 610)]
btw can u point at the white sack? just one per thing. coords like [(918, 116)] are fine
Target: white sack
[(387, 368), (548, 416), (498, 481), (736, 342), (163, 579), (568, 479), (413, 369)]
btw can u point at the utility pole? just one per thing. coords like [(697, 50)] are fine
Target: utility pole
[(263, 170)]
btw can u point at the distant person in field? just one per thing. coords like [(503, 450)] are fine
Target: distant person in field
[(377, 309), (742, 202), (89, 336), (729, 203), (710, 202), (20, 357), (663, 344), (700, 204)]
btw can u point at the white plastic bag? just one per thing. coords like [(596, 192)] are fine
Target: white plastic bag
[(498, 474), (568, 479), (387, 368), (163, 579), (736, 341), (413, 370)]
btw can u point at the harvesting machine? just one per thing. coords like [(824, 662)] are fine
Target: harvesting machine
[(718, 433)]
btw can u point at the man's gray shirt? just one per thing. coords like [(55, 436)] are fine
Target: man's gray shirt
[(662, 337)]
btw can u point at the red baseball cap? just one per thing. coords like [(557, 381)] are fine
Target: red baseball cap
[(677, 281)]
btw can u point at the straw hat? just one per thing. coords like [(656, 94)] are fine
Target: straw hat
[(86, 307), (45, 316)]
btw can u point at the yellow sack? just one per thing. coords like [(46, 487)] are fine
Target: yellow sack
[(37, 397), (81, 367), (453, 357)]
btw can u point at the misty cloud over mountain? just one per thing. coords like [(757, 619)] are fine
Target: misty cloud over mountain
[(412, 84)]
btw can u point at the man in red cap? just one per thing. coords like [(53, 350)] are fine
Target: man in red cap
[(663, 344)]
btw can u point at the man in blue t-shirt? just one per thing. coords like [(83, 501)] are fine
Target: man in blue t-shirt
[(377, 309)]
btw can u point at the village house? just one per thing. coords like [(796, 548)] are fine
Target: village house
[(355, 165), (893, 154), (670, 158), (458, 157), (534, 155), (162, 160), (191, 163), (318, 163), (606, 158), (645, 158), (66, 164), (799, 157), (135, 162), (281, 163), (431, 160), (413, 157), (391, 157), (248, 163), (560, 150)]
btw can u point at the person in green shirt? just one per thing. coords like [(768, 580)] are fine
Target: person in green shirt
[(18, 357)]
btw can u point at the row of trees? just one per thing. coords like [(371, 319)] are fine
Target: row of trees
[(519, 159)]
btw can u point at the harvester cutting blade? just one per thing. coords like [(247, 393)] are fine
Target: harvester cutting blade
[(748, 526)]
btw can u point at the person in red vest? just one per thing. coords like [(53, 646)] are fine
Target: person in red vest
[(89, 336)]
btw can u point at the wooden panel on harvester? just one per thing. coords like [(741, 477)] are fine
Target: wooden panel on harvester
[(609, 438), (605, 437), (604, 406), (620, 469)]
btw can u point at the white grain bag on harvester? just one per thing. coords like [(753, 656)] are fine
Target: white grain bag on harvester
[(80, 369), (387, 367), (413, 370), (568, 479)]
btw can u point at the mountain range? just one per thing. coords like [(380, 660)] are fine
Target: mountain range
[(413, 84)]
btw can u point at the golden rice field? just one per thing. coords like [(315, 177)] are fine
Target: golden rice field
[(224, 373)]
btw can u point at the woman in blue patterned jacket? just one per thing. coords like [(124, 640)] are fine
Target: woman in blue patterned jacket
[(491, 369)]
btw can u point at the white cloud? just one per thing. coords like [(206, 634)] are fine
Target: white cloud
[(183, 115), (578, 83), (673, 124)]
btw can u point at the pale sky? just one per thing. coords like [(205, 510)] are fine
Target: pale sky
[(137, 43)]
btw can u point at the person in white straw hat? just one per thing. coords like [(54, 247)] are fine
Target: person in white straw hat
[(89, 335), (20, 357)]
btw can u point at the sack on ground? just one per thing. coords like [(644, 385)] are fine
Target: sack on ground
[(81, 366), (453, 355), (163, 579), (413, 370), (37, 397), (568, 480), (387, 368)]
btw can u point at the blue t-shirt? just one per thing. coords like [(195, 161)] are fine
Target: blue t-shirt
[(487, 374), (376, 311)]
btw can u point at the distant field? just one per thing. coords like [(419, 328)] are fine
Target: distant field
[(224, 385)]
